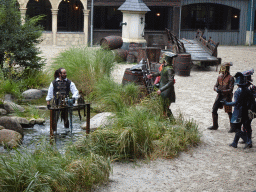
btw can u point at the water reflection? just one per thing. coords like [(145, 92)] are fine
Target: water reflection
[(62, 137)]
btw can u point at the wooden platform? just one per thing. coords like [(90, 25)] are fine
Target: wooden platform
[(198, 53)]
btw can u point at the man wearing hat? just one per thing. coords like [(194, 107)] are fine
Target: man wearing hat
[(224, 87), (166, 85), (242, 98)]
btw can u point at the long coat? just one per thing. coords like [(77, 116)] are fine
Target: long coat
[(226, 84), (242, 98), (166, 84)]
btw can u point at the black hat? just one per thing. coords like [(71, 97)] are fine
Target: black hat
[(248, 74), (240, 80)]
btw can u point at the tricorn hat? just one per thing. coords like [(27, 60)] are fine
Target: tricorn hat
[(167, 56), (225, 66), (248, 75), (248, 72)]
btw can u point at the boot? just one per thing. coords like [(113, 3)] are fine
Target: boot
[(215, 122), (232, 126), (236, 139), (248, 143)]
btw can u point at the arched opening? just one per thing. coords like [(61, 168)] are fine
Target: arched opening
[(211, 16), (41, 7), (70, 16)]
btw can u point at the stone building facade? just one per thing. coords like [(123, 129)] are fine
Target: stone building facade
[(65, 23)]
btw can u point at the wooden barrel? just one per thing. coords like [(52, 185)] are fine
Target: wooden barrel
[(183, 64), (111, 42), (120, 54), (135, 76)]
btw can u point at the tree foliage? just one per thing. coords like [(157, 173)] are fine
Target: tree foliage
[(18, 42)]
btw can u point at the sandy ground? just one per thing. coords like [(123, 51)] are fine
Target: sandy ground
[(212, 166)]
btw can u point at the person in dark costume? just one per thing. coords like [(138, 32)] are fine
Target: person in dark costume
[(252, 108), (166, 85), (224, 87), (60, 87), (243, 97)]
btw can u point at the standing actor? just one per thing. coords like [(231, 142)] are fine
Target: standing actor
[(243, 98), (62, 86), (166, 85), (224, 87)]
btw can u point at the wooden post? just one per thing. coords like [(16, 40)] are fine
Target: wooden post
[(88, 107), (52, 124)]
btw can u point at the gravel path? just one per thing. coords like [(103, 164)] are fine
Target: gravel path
[(212, 166)]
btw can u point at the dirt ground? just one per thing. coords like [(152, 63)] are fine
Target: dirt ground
[(212, 166)]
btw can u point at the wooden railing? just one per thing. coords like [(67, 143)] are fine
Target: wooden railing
[(210, 46), (178, 45)]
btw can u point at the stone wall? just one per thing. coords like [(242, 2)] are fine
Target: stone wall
[(47, 38), (63, 38)]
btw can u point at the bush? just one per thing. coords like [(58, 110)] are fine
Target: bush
[(85, 66), (20, 65), (46, 169), (34, 80), (18, 42)]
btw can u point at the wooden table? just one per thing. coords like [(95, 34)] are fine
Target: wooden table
[(53, 120)]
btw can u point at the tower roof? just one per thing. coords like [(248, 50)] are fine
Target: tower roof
[(133, 5)]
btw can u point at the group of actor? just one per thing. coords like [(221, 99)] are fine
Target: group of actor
[(244, 103), (244, 97)]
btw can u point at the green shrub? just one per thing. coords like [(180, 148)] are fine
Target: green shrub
[(18, 41), (10, 87), (33, 80), (46, 169)]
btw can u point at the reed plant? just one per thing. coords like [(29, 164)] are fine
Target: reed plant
[(115, 97), (141, 131), (34, 112), (46, 169), (85, 66)]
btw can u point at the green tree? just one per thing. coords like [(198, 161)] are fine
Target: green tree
[(18, 42)]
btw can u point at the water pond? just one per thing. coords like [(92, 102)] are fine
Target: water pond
[(62, 137)]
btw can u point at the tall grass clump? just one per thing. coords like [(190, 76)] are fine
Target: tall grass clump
[(85, 66), (46, 169), (141, 131), (115, 97), (177, 138)]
